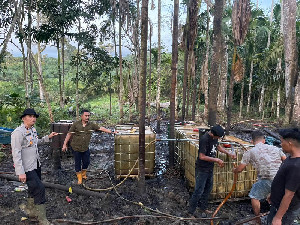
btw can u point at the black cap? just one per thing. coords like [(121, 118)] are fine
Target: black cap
[(29, 112), (217, 130)]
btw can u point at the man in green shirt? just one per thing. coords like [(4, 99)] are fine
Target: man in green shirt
[(81, 132)]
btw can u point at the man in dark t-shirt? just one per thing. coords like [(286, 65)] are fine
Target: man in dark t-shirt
[(208, 146), (285, 189), (81, 132)]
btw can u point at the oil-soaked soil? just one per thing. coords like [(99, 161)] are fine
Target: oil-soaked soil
[(167, 192)]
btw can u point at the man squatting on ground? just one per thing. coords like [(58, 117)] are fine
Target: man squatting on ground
[(81, 132), (208, 146), (266, 159), (24, 141), (285, 189)]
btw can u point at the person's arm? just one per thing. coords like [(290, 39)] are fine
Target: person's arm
[(68, 137), (221, 149), (16, 146), (107, 130), (284, 205), (211, 159), (46, 138), (239, 168)]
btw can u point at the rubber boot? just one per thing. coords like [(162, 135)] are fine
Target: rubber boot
[(30, 208), (79, 177), (41, 214), (83, 172)]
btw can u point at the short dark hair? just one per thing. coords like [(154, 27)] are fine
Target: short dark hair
[(257, 135), (290, 133), (84, 110)]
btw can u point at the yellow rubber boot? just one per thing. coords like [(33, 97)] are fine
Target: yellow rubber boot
[(79, 177), (83, 172)]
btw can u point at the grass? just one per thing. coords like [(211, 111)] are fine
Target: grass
[(100, 108)]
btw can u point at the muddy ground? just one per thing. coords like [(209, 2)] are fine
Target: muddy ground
[(166, 192)]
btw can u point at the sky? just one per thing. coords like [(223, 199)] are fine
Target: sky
[(166, 34)]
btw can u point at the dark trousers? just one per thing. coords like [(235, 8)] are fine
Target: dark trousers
[(287, 219), (36, 188), (82, 160), (204, 185)]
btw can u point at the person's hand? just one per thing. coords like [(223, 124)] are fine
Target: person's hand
[(64, 148), (276, 221), (232, 155), (22, 178), (52, 134), (115, 132), (220, 162)]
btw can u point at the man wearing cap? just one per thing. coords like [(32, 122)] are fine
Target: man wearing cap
[(285, 189), (24, 141), (81, 132), (208, 146), (266, 159)]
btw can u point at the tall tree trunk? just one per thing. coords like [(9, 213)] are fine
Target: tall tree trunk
[(192, 34), (242, 99), (158, 68), (137, 56), (289, 8), (63, 69), (241, 13), (29, 37), (59, 74), (40, 77), (150, 71), (278, 103), (223, 78), (18, 7), (230, 93), (77, 71), (204, 70), (262, 99), (39, 57), (296, 111), (250, 86), (130, 94), (25, 74), (173, 82), (142, 95), (120, 67), (185, 73), (115, 50), (215, 64)]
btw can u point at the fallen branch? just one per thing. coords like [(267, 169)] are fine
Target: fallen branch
[(250, 219), (133, 216), (59, 187)]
